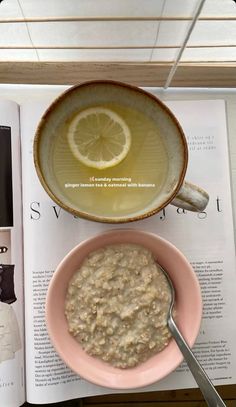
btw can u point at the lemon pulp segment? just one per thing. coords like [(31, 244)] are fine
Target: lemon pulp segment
[(99, 137)]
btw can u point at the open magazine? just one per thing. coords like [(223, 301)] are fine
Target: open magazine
[(35, 239)]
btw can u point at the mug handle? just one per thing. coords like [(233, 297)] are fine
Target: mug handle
[(191, 197)]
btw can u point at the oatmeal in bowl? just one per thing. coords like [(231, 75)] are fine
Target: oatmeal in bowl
[(107, 305), (117, 304)]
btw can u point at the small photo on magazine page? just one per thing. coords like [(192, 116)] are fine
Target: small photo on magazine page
[(6, 199), (9, 330)]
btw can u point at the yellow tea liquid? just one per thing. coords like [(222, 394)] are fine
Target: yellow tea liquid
[(120, 190)]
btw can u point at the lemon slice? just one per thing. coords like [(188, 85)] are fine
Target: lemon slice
[(99, 137)]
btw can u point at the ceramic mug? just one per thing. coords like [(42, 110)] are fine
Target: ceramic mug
[(150, 176)]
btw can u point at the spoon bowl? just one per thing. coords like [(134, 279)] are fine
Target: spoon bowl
[(188, 306)]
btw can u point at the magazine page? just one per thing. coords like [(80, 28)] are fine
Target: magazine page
[(206, 239), (12, 388)]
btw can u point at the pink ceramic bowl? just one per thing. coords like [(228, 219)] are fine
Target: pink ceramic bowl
[(188, 306)]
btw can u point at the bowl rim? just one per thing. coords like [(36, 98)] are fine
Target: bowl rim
[(145, 379), (107, 219)]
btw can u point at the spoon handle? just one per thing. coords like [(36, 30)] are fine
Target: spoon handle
[(209, 392)]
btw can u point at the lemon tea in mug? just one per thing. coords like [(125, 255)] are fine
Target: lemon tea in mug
[(112, 152)]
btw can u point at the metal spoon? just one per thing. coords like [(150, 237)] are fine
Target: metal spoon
[(209, 392)]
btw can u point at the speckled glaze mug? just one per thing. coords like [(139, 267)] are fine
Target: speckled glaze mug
[(106, 206)]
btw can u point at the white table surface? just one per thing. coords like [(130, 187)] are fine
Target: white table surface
[(21, 93)]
